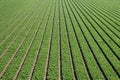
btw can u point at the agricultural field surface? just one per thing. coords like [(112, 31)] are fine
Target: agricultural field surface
[(59, 39)]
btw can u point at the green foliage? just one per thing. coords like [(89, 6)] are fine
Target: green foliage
[(60, 39)]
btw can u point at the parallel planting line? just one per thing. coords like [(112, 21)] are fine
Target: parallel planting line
[(105, 25), (50, 45), (89, 45), (83, 57), (113, 13), (39, 49), (15, 21), (105, 31), (115, 70), (69, 44), (98, 64), (10, 17), (106, 41), (5, 11), (27, 33), (109, 11), (3, 41), (104, 53), (14, 39), (9, 36), (6, 18), (82, 35), (102, 9), (7, 65), (28, 49), (12, 33), (96, 11), (5, 68), (11, 25), (72, 27), (16, 9)]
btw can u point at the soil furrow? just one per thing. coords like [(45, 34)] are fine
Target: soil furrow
[(59, 44)]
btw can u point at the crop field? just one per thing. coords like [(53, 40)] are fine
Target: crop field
[(59, 39)]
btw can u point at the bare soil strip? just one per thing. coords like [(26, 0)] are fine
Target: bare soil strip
[(59, 44)]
